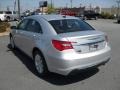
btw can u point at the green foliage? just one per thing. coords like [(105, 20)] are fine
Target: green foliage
[(50, 9), (107, 15), (4, 26)]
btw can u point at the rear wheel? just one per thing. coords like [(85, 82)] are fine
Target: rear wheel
[(15, 19), (96, 18), (118, 21), (40, 63)]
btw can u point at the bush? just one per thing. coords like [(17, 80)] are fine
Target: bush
[(107, 15), (4, 26)]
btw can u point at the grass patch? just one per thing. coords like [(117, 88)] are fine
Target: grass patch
[(4, 26)]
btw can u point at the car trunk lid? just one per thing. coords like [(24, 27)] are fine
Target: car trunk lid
[(86, 41)]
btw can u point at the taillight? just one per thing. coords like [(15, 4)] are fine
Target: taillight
[(106, 38), (62, 45)]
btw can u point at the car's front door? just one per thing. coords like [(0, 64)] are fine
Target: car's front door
[(19, 34), (32, 33)]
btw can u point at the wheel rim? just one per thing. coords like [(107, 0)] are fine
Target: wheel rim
[(12, 42), (8, 19), (39, 63)]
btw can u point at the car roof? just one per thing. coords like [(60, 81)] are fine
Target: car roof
[(51, 17)]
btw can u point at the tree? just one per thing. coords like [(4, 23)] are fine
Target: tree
[(51, 9)]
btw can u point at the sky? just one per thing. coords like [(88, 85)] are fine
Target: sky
[(33, 4)]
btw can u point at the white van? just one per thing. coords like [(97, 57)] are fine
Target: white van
[(8, 15)]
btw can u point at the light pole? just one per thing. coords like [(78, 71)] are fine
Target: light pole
[(18, 8)]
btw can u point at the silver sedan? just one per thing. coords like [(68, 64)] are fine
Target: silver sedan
[(60, 44)]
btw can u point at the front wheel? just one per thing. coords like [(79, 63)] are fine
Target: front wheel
[(12, 42), (8, 19), (40, 63)]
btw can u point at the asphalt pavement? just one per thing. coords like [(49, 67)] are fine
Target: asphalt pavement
[(17, 71)]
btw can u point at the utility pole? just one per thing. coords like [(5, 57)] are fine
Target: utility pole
[(18, 8), (71, 3), (51, 3), (0, 6), (66, 5), (80, 5), (90, 7), (118, 8), (8, 8), (14, 5)]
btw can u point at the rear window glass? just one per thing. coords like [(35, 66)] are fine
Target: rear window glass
[(70, 25)]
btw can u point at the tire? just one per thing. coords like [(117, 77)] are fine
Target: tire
[(12, 44), (96, 18), (118, 21), (85, 18), (15, 19), (8, 19), (40, 63)]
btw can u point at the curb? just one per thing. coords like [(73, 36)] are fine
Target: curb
[(4, 34)]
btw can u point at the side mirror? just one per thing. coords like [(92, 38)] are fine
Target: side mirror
[(13, 27)]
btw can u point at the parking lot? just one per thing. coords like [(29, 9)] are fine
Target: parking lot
[(17, 71)]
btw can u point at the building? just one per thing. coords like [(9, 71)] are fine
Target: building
[(71, 11), (97, 9), (112, 11), (42, 9)]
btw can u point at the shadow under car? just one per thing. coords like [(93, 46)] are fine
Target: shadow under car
[(54, 78)]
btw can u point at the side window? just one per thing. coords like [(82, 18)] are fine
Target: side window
[(8, 12), (34, 26), (22, 25), (1, 12), (14, 12)]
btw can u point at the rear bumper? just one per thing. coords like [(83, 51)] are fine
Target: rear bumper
[(66, 63)]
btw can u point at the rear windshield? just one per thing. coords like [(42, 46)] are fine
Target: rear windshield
[(70, 25)]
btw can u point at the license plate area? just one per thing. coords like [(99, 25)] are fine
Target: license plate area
[(90, 47), (93, 47)]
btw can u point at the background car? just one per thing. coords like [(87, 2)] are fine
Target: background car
[(8, 15), (60, 44), (90, 15), (118, 20)]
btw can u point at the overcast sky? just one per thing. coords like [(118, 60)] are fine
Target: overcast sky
[(33, 4)]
